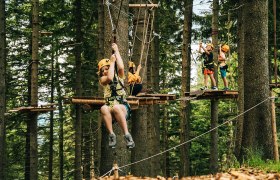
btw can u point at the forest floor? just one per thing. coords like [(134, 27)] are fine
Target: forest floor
[(239, 174)]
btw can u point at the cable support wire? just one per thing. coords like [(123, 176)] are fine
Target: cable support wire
[(114, 6), (173, 148)]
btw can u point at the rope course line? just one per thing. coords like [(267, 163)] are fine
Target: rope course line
[(173, 148)]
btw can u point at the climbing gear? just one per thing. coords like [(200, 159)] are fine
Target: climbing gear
[(224, 67), (214, 88), (135, 89), (211, 45), (103, 62), (112, 98), (226, 89), (131, 64), (225, 48), (129, 141), (208, 61), (112, 140)]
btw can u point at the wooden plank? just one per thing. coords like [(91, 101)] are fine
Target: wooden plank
[(161, 96), (211, 94), (99, 101), (33, 109), (143, 5), (42, 109)]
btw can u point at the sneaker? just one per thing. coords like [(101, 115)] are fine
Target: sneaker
[(226, 89), (112, 140), (129, 141), (203, 88), (214, 88)]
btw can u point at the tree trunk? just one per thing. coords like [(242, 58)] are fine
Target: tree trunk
[(100, 55), (34, 91), (186, 76), (78, 91), (2, 89), (240, 51), (214, 103), (61, 117), (154, 122), (86, 146), (51, 116), (165, 144), (140, 116), (257, 132), (122, 155)]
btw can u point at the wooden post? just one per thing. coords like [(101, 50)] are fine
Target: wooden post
[(274, 131)]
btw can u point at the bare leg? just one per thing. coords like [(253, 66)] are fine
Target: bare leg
[(119, 111), (213, 79), (205, 80), (225, 82), (107, 117)]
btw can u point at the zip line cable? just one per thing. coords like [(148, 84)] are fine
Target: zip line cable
[(173, 148)]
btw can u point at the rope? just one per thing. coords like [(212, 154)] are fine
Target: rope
[(173, 148), (148, 44), (145, 29), (135, 33)]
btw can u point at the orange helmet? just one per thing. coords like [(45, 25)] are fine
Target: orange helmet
[(131, 64), (103, 62), (211, 45), (225, 48)]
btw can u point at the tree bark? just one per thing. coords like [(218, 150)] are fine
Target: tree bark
[(51, 116), (78, 90), (214, 103), (100, 55), (2, 89), (140, 116), (34, 91), (257, 133), (240, 51), (154, 169), (186, 76), (61, 117)]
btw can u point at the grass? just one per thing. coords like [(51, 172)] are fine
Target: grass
[(255, 160)]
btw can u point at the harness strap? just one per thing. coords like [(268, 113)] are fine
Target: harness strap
[(112, 98)]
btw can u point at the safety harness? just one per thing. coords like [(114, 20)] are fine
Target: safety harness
[(207, 63)]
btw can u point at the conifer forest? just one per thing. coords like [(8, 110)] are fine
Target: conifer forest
[(207, 75)]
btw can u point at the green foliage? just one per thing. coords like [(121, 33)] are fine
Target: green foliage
[(254, 159)]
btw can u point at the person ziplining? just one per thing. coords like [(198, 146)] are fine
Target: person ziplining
[(111, 73), (116, 108)]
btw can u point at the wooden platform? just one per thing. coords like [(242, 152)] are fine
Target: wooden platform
[(210, 94), (40, 109), (161, 98), (143, 5), (133, 101)]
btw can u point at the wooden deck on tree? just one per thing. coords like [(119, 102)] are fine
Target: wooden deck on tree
[(39, 109), (133, 101), (210, 94)]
